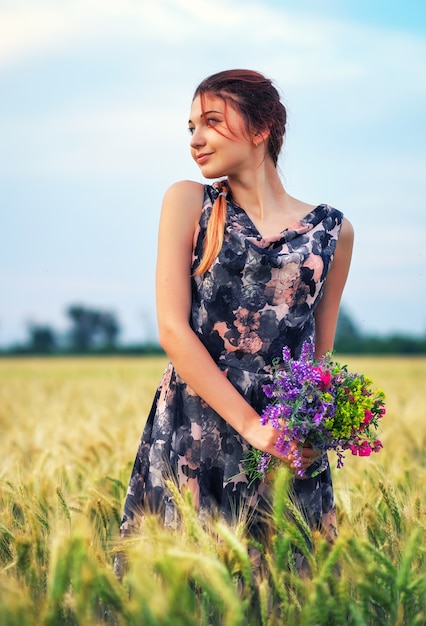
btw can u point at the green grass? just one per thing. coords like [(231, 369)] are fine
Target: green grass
[(69, 432)]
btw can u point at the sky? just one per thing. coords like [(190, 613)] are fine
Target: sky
[(94, 102)]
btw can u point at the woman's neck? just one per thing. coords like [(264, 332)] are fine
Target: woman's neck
[(263, 197), (259, 193)]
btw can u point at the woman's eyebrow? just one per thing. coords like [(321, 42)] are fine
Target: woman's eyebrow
[(207, 113)]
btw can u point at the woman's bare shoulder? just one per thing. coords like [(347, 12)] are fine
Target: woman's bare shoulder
[(182, 207), (185, 191)]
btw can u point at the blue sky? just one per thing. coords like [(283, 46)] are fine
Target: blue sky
[(94, 101), (409, 15)]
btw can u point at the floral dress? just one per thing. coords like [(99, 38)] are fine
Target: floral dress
[(259, 295)]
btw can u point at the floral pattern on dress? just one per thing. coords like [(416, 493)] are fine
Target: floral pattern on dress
[(260, 294)]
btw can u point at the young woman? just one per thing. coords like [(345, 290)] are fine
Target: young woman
[(243, 269)]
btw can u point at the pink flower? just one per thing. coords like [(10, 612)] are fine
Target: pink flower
[(368, 416), (377, 445), (361, 450), (365, 449), (325, 378)]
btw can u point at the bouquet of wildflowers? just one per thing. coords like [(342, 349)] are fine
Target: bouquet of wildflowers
[(318, 402)]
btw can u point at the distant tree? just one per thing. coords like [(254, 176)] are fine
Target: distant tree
[(84, 327), (42, 339), (348, 336), (92, 329), (110, 329)]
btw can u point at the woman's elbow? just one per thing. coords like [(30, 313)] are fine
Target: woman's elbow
[(165, 338), (170, 334)]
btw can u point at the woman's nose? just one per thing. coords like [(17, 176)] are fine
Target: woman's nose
[(197, 138)]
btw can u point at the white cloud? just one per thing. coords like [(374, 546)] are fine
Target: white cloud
[(308, 44), (335, 73), (28, 29)]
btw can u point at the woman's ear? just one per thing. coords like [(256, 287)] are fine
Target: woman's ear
[(260, 137)]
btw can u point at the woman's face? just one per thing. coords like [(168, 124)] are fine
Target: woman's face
[(220, 144)]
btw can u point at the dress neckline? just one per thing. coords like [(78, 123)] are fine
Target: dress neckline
[(293, 227), (301, 223)]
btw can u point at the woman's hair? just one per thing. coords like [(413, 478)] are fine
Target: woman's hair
[(258, 102)]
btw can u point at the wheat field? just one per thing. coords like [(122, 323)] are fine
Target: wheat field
[(69, 432)]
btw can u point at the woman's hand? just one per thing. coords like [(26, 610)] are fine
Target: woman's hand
[(309, 455), (306, 454), (264, 438)]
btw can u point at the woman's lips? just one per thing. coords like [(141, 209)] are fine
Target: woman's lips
[(202, 158)]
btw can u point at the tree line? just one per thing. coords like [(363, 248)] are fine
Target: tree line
[(351, 340), (92, 331)]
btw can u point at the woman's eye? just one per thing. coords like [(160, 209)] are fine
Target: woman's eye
[(212, 121), (191, 130)]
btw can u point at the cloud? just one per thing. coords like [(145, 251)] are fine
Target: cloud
[(320, 63), (29, 30)]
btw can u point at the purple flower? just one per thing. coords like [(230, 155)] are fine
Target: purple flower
[(318, 419), (264, 462)]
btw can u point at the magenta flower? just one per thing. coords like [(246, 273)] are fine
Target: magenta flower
[(364, 449), (325, 378), (377, 445)]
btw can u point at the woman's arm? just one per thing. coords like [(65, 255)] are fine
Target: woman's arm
[(179, 218), (327, 310)]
